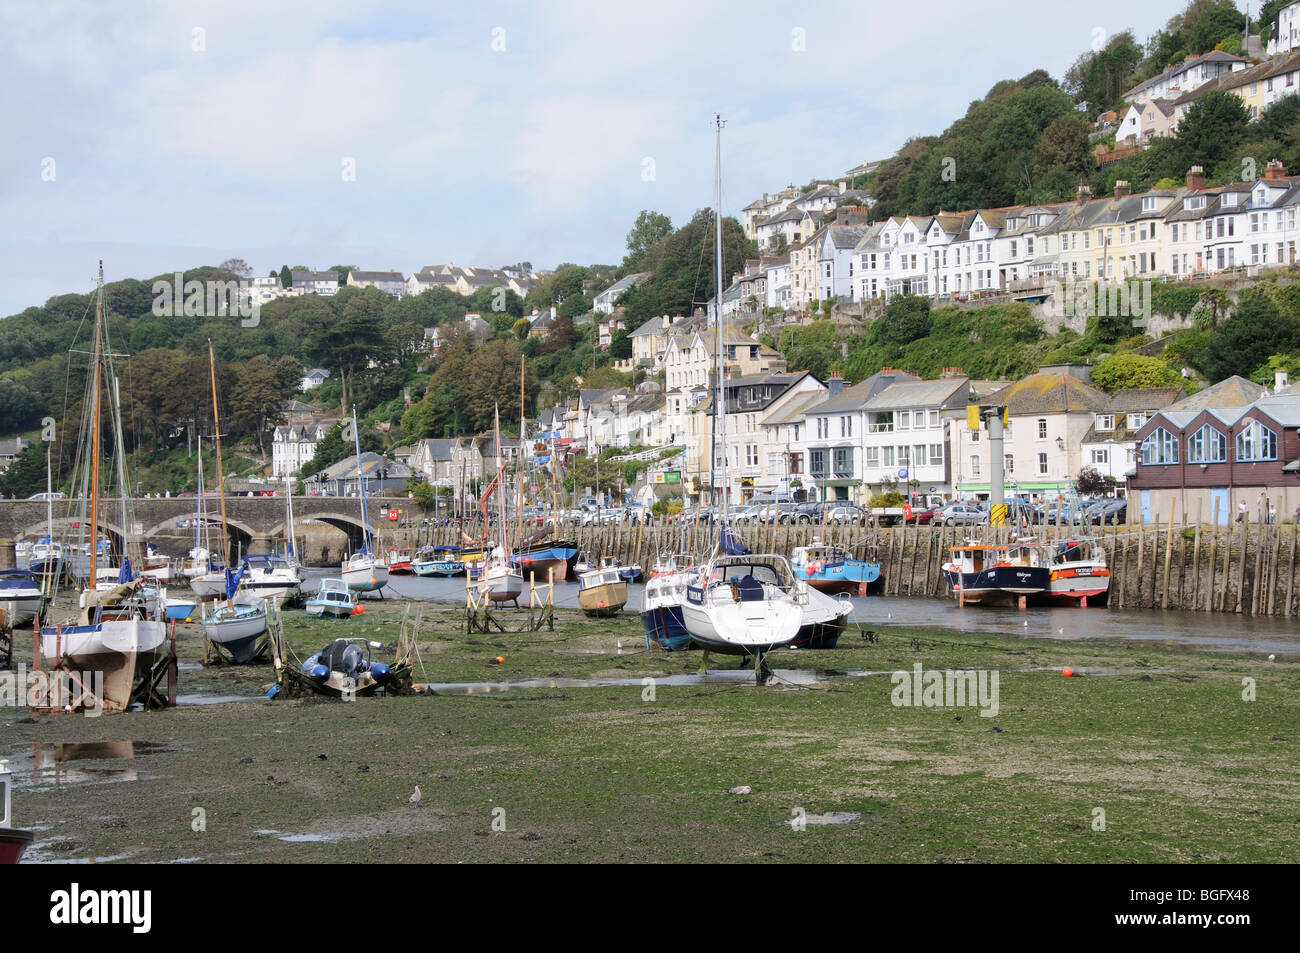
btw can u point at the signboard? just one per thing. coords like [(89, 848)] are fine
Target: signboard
[(392, 515), (669, 476), (902, 473), (747, 481), (137, 528)]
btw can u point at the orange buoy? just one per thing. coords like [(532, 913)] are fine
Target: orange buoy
[(1067, 672)]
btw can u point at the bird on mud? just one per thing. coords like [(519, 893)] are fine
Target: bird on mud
[(415, 798)]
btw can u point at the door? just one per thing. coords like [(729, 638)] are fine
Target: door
[(1146, 506), (1219, 498)]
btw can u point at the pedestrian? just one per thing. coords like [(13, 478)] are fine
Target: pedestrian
[(1297, 514), (1241, 512), (1272, 512)]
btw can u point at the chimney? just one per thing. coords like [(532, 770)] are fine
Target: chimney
[(835, 383), (1280, 380), (1275, 171), (953, 372), (1196, 177), (1122, 188), (1084, 194)]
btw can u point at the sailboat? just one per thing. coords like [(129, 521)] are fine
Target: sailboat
[(742, 604), (238, 626), (276, 576), (206, 573), (363, 571), (499, 578), (113, 633)]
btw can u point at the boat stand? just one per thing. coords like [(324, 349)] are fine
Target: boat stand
[(147, 690), (480, 617), (214, 654)]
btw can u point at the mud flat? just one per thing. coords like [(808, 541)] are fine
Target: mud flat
[(586, 760)]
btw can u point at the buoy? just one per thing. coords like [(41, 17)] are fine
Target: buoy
[(359, 610), (810, 571), (500, 660), (1067, 672), (528, 560)]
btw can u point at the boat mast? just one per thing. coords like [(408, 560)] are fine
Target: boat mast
[(97, 357), (519, 459), (501, 494), (361, 486), (719, 402), (221, 480)]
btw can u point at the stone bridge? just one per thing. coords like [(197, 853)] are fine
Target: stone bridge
[(256, 523)]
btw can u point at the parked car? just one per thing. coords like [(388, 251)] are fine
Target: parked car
[(964, 514), (743, 514), (1108, 511), (847, 513), (56, 495), (776, 512)]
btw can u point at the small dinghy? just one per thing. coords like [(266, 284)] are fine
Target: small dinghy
[(438, 561), (12, 842), (344, 667), (236, 629), (334, 599)]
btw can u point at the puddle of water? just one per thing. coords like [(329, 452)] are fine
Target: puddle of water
[(202, 698), (787, 676), (310, 838), (44, 852), (59, 765), (830, 818)]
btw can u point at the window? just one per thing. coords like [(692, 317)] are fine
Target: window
[(882, 423), (905, 420), (974, 464), (1105, 422), (796, 463), (843, 462), (1042, 428), (1100, 457), (1009, 464), (904, 456), (918, 455), (936, 454), (934, 418), (817, 463), (1160, 448), (888, 456), (751, 454), (1042, 464), (1256, 442), (873, 457), (1207, 445)]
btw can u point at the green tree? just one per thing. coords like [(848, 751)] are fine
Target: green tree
[(26, 474), (1256, 330), (1132, 370), (286, 277), (648, 230), (1214, 125), (620, 345), (905, 320)]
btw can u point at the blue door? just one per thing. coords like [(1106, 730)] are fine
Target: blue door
[(1146, 505), (1219, 498)]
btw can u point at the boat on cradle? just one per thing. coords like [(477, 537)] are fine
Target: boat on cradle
[(602, 592), (745, 605), (1008, 574), (13, 842), (237, 627), (830, 569), (20, 595), (400, 560), (1079, 573), (333, 599), (438, 561), (344, 667), (180, 609)]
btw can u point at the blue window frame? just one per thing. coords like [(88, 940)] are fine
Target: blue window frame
[(1256, 442), (1207, 445)]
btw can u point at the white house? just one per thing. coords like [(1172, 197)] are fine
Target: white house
[(316, 282), (389, 282), (604, 302), (292, 447), (1285, 35), (313, 378)]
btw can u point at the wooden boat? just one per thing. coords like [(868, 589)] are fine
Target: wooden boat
[(115, 631), (1008, 574), (830, 569), (1079, 574), (333, 599), (602, 592)]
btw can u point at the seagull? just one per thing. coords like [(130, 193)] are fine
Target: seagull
[(415, 798)]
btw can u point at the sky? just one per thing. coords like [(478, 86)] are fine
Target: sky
[(161, 136)]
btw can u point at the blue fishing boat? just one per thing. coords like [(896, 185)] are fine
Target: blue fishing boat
[(540, 559), (661, 609), (829, 569), (438, 561)]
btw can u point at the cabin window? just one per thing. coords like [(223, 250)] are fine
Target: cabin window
[(1256, 442), (1207, 445)]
